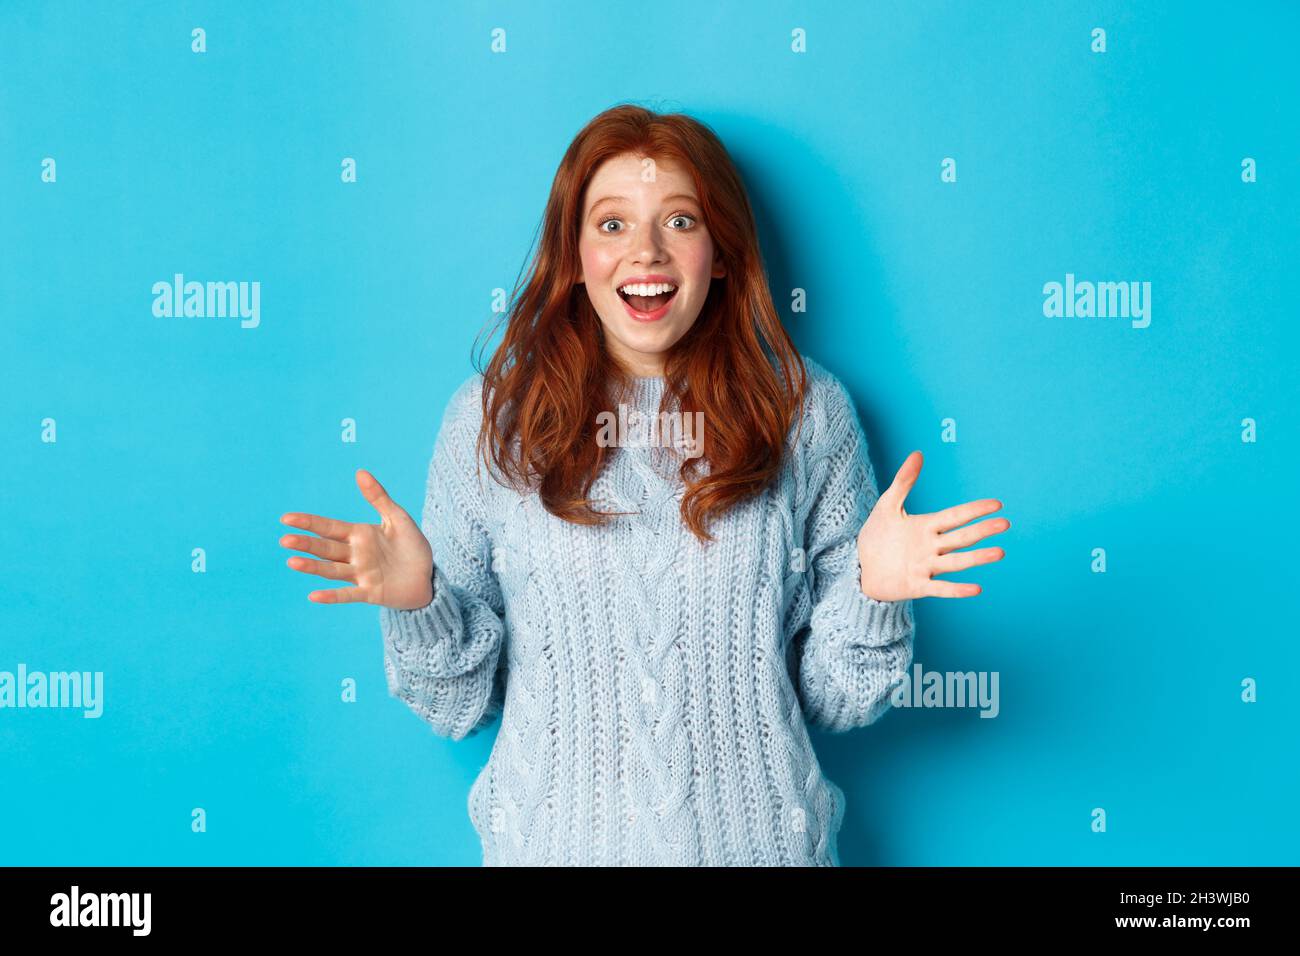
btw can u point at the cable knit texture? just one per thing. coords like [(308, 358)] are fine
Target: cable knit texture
[(655, 692)]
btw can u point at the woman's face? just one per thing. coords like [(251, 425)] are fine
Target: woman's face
[(642, 223)]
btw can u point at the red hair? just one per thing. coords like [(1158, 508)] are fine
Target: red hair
[(551, 375)]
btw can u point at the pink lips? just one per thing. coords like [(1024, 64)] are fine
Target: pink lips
[(658, 313)]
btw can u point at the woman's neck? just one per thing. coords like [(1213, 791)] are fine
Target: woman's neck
[(638, 364)]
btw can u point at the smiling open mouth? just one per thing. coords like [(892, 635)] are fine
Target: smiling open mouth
[(648, 303)]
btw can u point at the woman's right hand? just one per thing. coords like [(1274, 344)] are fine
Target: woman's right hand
[(389, 563)]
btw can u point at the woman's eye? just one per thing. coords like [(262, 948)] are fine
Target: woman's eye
[(683, 216), (605, 222)]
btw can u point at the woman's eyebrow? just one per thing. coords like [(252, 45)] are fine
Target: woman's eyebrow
[(604, 199)]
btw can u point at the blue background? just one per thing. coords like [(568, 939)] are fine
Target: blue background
[(1118, 690)]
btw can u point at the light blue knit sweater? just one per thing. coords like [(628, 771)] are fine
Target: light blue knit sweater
[(653, 691)]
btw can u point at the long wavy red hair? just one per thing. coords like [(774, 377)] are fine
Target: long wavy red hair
[(552, 375)]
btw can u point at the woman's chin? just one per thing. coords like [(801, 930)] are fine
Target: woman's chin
[(651, 340)]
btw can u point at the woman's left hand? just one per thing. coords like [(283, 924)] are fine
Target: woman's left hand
[(899, 552)]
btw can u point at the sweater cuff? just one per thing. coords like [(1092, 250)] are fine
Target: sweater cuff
[(423, 625), (862, 620)]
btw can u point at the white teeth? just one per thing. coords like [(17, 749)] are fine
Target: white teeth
[(646, 288)]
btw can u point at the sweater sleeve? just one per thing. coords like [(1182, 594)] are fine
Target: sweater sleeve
[(854, 649), (445, 660)]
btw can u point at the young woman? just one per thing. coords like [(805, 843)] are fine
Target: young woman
[(656, 613)]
